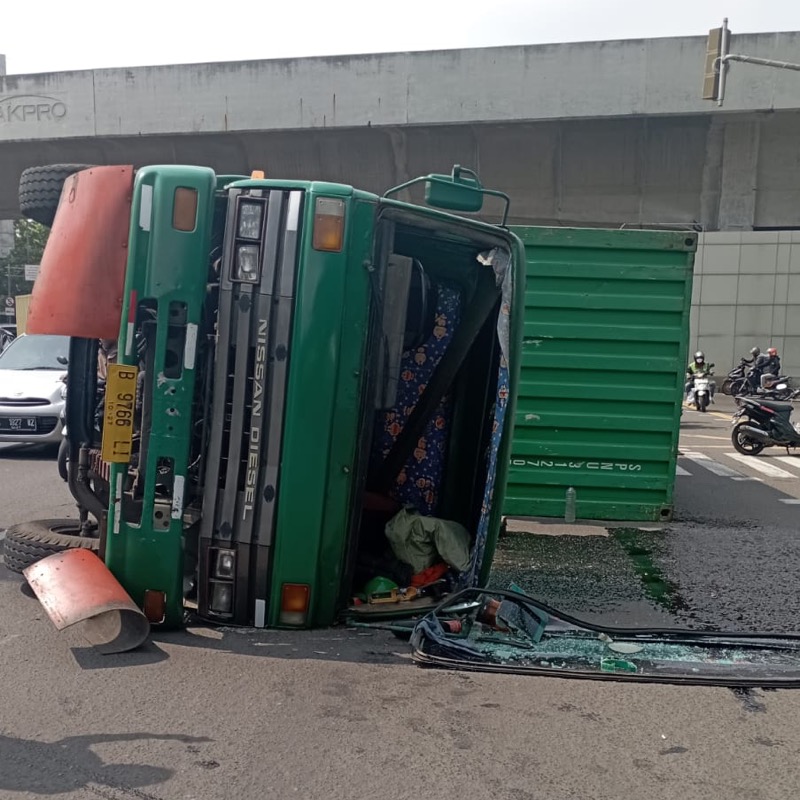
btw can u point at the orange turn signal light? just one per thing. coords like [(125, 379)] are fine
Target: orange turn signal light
[(257, 174), (295, 599), (155, 606), (184, 209), (328, 225)]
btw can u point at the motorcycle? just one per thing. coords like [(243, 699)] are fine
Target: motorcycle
[(760, 423), (744, 380), (737, 381), (776, 387), (702, 389)]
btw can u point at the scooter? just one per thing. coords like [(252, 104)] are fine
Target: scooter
[(760, 423), (776, 387), (702, 391)]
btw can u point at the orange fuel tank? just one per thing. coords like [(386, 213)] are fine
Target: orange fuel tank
[(78, 291)]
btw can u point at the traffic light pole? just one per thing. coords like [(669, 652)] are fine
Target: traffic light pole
[(720, 65), (719, 40)]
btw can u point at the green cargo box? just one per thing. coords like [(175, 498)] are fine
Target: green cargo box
[(603, 362)]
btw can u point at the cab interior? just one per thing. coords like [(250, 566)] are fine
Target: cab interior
[(430, 402)]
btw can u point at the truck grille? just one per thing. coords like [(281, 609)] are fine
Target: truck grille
[(250, 372)]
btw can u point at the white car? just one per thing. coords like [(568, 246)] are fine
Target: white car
[(33, 389)]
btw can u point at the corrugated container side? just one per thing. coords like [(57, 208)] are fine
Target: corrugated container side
[(603, 362)]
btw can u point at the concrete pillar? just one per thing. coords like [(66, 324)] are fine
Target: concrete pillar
[(737, 201), (712, 174), (2, 64)]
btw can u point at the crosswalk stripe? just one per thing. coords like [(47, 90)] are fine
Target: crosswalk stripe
[(792, 461), (760, 465), (713, 466), (681, 471)]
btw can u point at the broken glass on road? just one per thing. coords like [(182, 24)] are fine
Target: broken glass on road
[(498, 631)]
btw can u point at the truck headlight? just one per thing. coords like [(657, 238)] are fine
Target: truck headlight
[(224, 563), (246, 266), (249, 223), (221, 597)]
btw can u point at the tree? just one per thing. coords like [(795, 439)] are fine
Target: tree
[(29, 241)]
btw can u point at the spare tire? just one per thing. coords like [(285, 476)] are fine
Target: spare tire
[(40, 190), (29, 542)]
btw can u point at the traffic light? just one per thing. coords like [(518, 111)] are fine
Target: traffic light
[(713, 64)]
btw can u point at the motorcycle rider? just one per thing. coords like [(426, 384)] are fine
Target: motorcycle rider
[(768, 365), (755, 352), (697, 366)]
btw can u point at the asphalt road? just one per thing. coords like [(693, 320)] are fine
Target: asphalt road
[(30, 487), (344, 714), (729, 560)]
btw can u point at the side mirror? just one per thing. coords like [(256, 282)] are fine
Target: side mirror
[(460, 191), (62, 360), (456, 193)]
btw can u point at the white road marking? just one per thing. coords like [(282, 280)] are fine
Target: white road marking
[(790, 501), (681, 471), (762, 466), (792, 461), (712, 466)]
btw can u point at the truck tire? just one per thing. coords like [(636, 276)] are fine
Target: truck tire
[(29, 542), (40, 190)]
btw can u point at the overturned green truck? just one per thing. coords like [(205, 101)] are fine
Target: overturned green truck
[(288, 366)]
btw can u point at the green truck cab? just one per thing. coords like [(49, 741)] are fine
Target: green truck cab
[(296, 363)]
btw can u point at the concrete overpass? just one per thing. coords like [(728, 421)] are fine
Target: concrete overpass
[(606, 133), (598, 133)]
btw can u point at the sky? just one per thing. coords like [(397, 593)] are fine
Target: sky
[(58, 35)]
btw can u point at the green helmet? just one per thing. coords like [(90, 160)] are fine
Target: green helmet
[(379, 585)]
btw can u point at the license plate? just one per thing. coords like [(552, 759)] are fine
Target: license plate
[(120, 403), (18, 424)]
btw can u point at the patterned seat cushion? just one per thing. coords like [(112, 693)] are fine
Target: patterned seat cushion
[(419, 482)]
